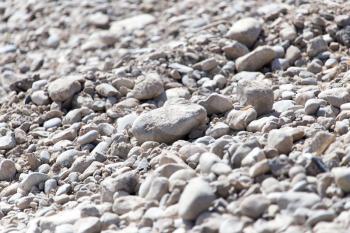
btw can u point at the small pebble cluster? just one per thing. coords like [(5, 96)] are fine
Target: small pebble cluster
[(146, 116)]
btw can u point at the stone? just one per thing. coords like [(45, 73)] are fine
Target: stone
[(257, 94), (335, 96), (88, 225), (320, 142), (158, 188), (67, 158), (216, 104), (7, 142), (7, 170), (235, 50), (312, 106), (245, 31), (196, 198), (316, 46), (131, 24), (31, 180), (63, 89), (240, 119), (98, 19), (231, 225), (280, 140), (89, 137), (40, 97), (147, 87), (107, 90), (291, 201), (256, 59), (254, 205), (168, 123), (342, 178)]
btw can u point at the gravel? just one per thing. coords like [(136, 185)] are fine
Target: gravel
[(174, 116)]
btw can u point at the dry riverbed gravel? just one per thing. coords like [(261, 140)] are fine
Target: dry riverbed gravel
[(146, 116)]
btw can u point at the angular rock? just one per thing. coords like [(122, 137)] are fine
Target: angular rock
[(216, 103), (63, 89)]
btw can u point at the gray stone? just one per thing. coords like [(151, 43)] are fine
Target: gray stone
[(216, 103), (256, 59), (342, 178), (280, 140), (40, 97), (168, 123), (106, 90), (196, 198), (239, 119), (7, 142), (31, 180), (336, 96), (254, 205), (245, 31), (88, 225), (89, 137), (147, 87), (63, 89), (235, 50), (316, 46), (7, 170), (257, 94)]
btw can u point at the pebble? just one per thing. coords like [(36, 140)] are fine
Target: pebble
[(280, 140), (196, 198), (245, 31), (7, 142), (240, 119), (257, 94), (168, 123), (256, 59), (342, 178), (7, 170), (31, 180), (89, 137), (216, 103), (63, 89), (254, 205), (149, 87)]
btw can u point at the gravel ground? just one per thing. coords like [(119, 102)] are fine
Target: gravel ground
[(199, 116)]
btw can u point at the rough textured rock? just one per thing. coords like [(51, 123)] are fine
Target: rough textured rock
[(63, 89), (246, 31)]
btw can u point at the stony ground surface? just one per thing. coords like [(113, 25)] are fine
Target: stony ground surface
[(145, 116)]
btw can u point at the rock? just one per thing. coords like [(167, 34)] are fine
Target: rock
[(67, 158), (342, 178), (312, 106), (196, 198), (158, 188), (231, 225), (106, 90), (280, 140), (131, 24), (316, 46), (89, 137), (336, 96), (98, 19), (254, 205), (257, 94), (7, 170), (7, 142), (235, 50), (245, 31), (31, 180), (88, 225), (40, 98), (256, 59), (320, 142), (149, 87), (260, 168), (168, 123), (126, 182), (291, 201), (63, 89), (239, 119), (216, 103)]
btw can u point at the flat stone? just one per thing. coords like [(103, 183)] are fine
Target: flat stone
[(216, 103), (168, 123)]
